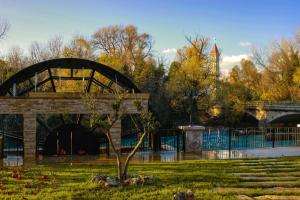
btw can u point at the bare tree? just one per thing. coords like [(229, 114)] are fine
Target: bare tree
[(16, 58), (55, 47), (4, 26), (38, 53)]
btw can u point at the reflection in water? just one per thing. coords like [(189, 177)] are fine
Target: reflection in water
[(140, 157), (12, 161), (163, 156)]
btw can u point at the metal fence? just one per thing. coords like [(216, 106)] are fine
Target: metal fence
[(170, 140), (173, 140), (249, 138), (128, 142), (12, 144)]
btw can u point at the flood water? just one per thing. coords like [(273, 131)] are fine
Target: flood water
[(164, 156)]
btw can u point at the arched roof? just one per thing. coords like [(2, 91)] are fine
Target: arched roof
[(66, 63)]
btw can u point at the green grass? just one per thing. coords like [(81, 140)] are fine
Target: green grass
[(223, 179)]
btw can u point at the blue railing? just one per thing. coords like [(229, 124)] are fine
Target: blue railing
[(250, 138)]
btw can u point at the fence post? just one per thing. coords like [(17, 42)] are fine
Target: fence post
[(159, 142), (246, 138), (273, 139), (229, 143), (183, 140), (178, 142), (155, 142)]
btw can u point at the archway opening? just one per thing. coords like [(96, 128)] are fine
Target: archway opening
[(11, 135), (72, 139), (290, 120)]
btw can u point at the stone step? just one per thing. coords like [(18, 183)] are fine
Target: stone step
[(268, 166), (268, 197), (269, 178), (276, 190), (263, 174), (277, 197), (296, 173), (262, 160), (273, 170), (264, 163), (249, 174), (234, 190), (273, 190), (268, 184)]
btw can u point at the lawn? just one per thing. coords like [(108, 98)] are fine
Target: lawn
[(208, 179)]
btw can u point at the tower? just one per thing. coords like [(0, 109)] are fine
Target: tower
[(215, 70), (215, 62)]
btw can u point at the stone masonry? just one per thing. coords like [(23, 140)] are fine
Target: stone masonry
[(61, 103)]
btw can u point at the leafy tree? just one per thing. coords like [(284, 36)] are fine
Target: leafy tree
[(296, 76), (123, 42), (79, 47), (279, 64), (190, 75)]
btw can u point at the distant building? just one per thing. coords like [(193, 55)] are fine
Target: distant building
[(215, 67), (215, 62)]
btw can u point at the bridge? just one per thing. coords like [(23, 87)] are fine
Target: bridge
[(269, 113)]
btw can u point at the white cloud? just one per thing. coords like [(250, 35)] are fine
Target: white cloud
[(245, 44), (169, 51), (229, 61)]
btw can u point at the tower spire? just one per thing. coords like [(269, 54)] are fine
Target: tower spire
[(215, 65)]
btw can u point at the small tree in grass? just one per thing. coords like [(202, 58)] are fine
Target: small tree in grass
[(106, 122)]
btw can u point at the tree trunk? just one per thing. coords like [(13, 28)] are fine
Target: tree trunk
[(130, 156), (117, 154)]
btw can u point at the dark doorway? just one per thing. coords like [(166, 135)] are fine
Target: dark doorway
[(83, 141)]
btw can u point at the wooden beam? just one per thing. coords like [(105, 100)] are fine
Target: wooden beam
[(51, 80)]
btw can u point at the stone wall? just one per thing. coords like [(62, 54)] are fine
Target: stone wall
[(57, 104), (62, 103)]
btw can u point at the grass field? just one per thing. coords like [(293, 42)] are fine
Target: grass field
[(208, 179)]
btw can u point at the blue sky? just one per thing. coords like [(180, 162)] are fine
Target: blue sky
[(234, 23)]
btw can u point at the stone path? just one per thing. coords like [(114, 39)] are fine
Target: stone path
[(267, 179)]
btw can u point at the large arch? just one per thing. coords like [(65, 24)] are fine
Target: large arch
[(28, 76), (43, 77), (286, 118)]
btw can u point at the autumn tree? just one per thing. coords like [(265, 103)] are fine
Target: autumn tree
[(123, 43), (191, 74), (279, 63), (79, 47), (130, 52)]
